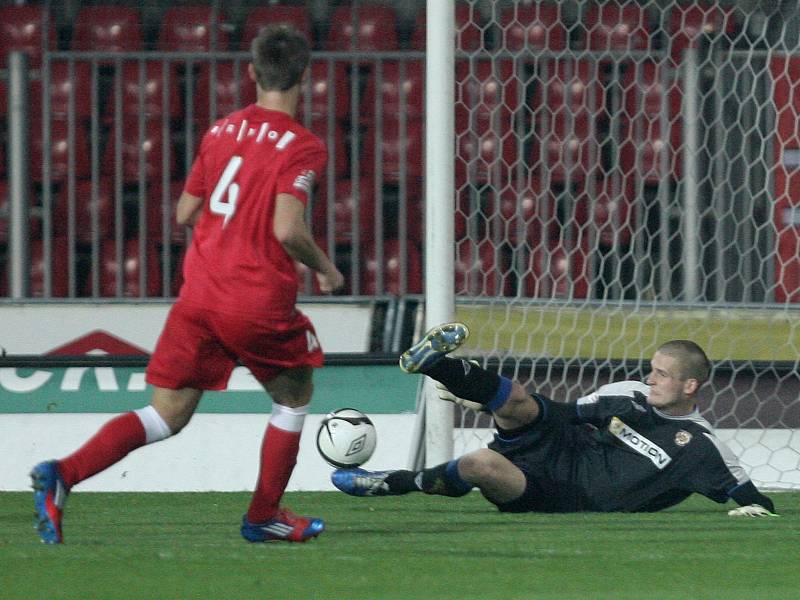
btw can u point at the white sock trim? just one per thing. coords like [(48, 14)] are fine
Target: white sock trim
[(155, 428), (288, 419)]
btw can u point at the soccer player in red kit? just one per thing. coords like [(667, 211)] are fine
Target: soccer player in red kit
[(245, 198)]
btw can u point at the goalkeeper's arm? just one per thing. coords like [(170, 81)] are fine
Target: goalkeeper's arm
[(748, 496)]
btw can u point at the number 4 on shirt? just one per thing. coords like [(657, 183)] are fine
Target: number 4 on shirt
[(218, 204)]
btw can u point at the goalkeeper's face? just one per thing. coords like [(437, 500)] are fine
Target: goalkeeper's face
[(668, 391)]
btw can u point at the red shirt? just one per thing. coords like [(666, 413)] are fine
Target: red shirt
[(235, 264)]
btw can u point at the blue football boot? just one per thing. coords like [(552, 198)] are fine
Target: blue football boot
[(49, 495), (360, 482), (437, 342), (284, 526)]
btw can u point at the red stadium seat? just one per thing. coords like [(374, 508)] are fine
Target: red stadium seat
[(396, 151), (62, 148), (143, 90), (516, 211), (296, 16), (336, 142), (688, 22), (554, 273), (233, 90), (477, 269), (132, 260), (787, 258), (327, 80), (611, 27), (86, 207), (398, 278), (345, 204), (645, 142), (559, 252), (155, 214), (412, 87), (107, 29), (535, 26), (567, 105), (62, 84), (613, 213), (469, 28), (486, 95), (377, 29), (34, 221), (192, 29), (58, 267), (486, 102), (147, 150), (21, 28)]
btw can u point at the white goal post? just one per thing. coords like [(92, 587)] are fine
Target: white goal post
[(623, 173)]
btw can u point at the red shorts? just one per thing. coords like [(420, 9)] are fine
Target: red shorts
[(199, 348)]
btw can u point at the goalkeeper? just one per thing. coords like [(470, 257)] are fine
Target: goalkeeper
[(627, 447)]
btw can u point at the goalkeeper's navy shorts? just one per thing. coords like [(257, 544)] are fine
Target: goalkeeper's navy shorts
[(546, 451)]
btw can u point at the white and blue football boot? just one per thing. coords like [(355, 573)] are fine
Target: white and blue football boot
[(436, 343), (360, 482)]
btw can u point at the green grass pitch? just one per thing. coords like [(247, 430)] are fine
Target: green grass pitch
[(187, 546)]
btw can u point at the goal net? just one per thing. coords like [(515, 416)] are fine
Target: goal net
[(627, 173)]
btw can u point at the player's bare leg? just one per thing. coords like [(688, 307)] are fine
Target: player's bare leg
[(265, 520), (498, 479), (176, 407)]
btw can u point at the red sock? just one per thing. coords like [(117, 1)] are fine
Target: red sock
[(112, 443), (278, 457)]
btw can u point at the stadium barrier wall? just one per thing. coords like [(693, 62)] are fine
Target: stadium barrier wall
[(48, 411)]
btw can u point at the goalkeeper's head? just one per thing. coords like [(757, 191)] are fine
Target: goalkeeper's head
[(691, 361), (679, 368)]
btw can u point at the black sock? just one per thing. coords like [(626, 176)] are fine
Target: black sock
[(465, 379), (402, 482), (443, 480)]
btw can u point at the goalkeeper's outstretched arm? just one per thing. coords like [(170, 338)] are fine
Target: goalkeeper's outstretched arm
[(747, 495)]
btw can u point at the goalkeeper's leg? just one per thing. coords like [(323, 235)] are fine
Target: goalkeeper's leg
[(511, 405), (499, 480)]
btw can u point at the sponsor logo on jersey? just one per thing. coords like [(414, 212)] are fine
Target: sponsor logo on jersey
[(683, 437), (305, 181), (636, 441)]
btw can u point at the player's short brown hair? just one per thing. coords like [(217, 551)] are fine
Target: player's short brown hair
[(692, 360), (280, 55)]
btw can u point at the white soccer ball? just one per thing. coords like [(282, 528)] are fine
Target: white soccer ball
[(346, 438)]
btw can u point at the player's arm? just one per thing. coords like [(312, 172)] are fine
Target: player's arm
[(292, 232), (189, 209), (719, 475), (750, 500)]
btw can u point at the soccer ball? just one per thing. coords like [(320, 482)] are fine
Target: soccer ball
[(346, 438)]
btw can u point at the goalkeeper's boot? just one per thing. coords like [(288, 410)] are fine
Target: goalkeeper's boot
[(284, 526), (360, 482), (49, 495), (437, 342)]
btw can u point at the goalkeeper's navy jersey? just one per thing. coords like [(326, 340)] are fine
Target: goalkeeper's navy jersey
[(640, 459), (612, 451)]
